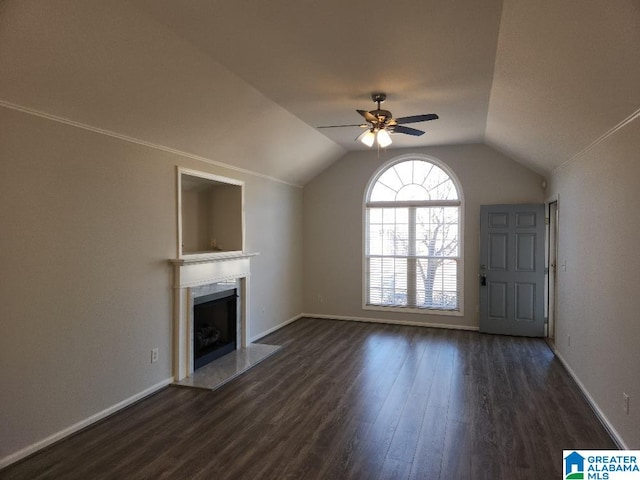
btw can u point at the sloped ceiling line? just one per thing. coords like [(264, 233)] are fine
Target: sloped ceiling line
[(634, 116), (101, 131), (536, 81)]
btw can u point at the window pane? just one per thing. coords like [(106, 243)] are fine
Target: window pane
[(413, 180), (404, 170), (439, 185), (382, 193), (401, 240), (395, 215), (436, 283), (387, 281), (375, 239), (375, 215), (388, 239), (388, 231), (437, 231), (412, 192), (391, 179), (386, 187), (421, 170)]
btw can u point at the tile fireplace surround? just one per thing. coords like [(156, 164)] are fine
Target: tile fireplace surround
[(198, 275)]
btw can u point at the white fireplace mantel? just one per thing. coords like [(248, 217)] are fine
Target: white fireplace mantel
[(198, 270)]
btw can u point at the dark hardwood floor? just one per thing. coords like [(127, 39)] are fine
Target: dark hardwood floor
[(349, 400)]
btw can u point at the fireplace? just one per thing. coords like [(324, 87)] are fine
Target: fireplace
[(197, 276), (214, 326)]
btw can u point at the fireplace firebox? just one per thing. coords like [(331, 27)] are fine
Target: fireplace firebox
[(214, 326)]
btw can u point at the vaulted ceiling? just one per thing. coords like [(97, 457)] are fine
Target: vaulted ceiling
[(321, 60), (538, 80)]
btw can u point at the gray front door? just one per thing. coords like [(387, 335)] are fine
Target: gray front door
[(512, 269)]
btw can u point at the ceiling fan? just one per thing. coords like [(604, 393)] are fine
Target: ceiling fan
[(380, 123)]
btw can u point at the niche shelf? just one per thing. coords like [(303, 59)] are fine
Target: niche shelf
[(210, 215)]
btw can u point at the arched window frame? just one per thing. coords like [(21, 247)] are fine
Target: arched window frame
[(368, 204)]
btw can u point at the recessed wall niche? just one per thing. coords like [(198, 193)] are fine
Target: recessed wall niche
[(210, 213)]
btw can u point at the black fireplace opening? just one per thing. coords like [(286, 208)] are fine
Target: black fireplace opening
[(214, 326)]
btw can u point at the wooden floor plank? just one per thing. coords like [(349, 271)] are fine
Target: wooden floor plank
[(349, 400)]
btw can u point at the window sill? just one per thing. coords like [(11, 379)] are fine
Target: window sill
[(421, 311)]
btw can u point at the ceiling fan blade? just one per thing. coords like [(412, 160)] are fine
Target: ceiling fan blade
[(417, 118), (367, 116), (407, 130), (350, 125)]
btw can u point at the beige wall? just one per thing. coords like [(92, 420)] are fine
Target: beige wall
[(599, 226), (226, 217), (88, 223), (87, 220), (109, 65), (212, 213), (196, 213), (333, 225)]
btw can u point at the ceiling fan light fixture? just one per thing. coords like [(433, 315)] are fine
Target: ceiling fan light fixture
[(378, 121), (368, 138), (384, 139)]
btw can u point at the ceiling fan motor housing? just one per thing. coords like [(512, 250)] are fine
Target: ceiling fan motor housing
[(382, 115)]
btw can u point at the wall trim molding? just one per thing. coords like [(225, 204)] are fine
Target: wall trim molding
[(391, 322), (635, 115), (137, 141), (276, 328), (64, 433), (617, 438)]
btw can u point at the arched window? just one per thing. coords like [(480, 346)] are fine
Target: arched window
[(413, 237)]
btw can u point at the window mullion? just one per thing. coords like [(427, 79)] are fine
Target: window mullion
[(411, 259)]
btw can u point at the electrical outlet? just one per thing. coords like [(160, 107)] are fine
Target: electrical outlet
[(568, 340), (625, 403), (154, 355), (320, 299)]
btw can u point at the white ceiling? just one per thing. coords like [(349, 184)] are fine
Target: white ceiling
[(567, 72), (246, 82), (537, 80), (321, 60)]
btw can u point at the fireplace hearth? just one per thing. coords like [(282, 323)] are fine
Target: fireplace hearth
[(214, 326)]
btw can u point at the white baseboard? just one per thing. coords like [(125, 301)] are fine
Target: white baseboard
[(592, 403), (33, 448), (277, 327), (393, 322)]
